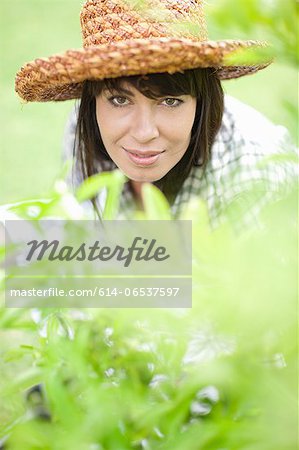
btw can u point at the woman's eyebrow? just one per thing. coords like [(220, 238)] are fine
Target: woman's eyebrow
[(120, 91)]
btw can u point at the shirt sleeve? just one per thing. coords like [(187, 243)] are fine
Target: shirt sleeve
[(253, 162)]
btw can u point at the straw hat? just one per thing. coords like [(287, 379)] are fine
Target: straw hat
[(132, 37)]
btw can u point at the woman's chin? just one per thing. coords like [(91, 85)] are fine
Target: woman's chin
[(142, 178)]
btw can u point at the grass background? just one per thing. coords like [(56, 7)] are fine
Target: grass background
[(31, 137)]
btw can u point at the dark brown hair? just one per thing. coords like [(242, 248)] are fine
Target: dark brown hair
[(201, 84)]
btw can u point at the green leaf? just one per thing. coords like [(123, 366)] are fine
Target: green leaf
[(112, 181), (155, 204), (115, 187), (92, 185)]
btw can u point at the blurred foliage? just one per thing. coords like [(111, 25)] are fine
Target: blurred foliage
[(275, 21), (221, 375)]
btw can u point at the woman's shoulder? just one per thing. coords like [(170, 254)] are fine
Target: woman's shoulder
[(244, 125), (249, 148), (252, 162), (247, 136)]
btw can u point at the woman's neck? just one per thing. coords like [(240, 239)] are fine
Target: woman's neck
[(137, 189)]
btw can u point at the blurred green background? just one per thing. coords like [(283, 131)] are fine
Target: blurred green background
[(31, 140)]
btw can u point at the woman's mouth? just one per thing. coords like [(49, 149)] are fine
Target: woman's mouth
[(146, 158)]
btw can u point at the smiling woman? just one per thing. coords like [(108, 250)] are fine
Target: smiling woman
[(154, 127), (151, 103), (145, 137)]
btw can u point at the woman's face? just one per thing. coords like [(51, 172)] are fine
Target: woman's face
[(145, 137)]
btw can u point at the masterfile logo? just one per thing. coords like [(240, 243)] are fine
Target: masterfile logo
[(99, 264), (140, 250)]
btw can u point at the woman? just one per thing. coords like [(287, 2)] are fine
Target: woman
[(153, 106), (153, 128)]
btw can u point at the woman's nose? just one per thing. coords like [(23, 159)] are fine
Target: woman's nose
[(144, 127)]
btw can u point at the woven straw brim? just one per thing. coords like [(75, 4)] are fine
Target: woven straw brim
[(60, 77)]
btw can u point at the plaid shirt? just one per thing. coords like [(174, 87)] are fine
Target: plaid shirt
[(246, 138)]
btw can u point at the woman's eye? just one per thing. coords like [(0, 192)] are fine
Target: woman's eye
[(118, 100), (172, 101)]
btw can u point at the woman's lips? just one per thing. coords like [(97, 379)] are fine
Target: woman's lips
[(143, 158)]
